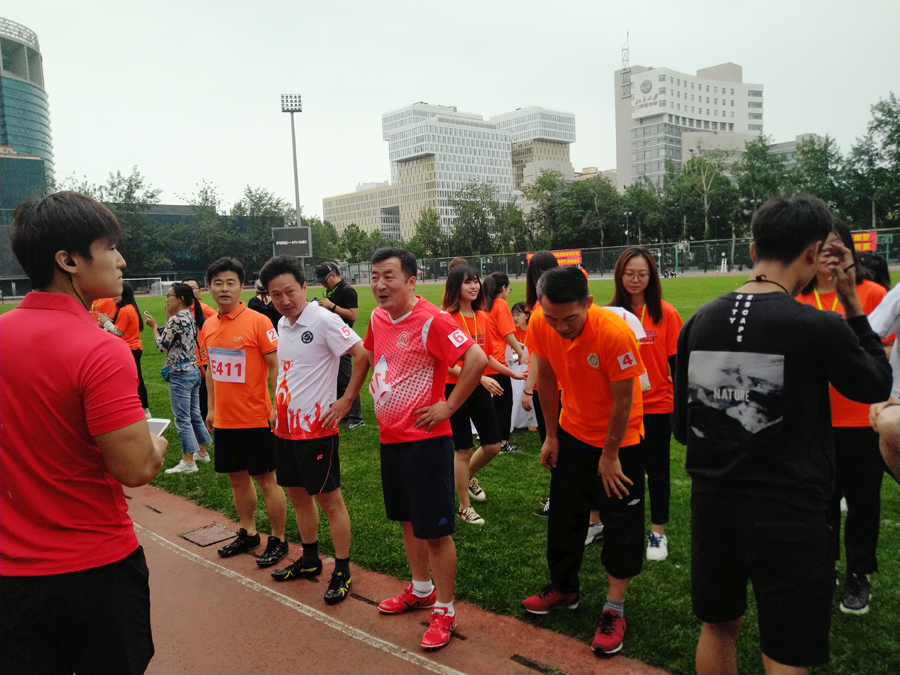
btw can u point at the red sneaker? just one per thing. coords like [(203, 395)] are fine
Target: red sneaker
[(438, 633), (549, 598), (610, 633), (407, 600)]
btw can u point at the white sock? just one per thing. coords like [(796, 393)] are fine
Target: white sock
[(446, 606), (422, 588)]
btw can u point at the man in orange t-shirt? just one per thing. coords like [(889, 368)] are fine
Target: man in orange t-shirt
[(243, 363), (594, 356)]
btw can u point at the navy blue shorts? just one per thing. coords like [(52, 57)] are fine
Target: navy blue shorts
[(417, 480)]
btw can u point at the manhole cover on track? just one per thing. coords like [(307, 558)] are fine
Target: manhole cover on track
[(209, 535)]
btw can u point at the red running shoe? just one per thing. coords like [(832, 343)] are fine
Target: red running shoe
[(549, 598), (407, 600), (438, 633), (610, 633)]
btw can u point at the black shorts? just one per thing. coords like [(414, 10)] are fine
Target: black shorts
[(417, 480), (92, 621), (786, 554), (312, 464), (479, 408), (250, 450)]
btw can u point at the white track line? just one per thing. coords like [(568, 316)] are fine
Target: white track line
[(306, 610)]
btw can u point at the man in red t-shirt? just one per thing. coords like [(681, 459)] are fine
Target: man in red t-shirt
[(411, 344), (73, 578)]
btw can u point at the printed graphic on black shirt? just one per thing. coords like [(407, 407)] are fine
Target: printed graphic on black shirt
[(733, 394)]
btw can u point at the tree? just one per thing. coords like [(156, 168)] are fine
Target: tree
[(429, 241), (212, 235), (508, 232), (702, 175), (255, 214), (586, 213), (353, 244), (818, 171), (476, 207), (540, 214), (760, 173), (325, 241)]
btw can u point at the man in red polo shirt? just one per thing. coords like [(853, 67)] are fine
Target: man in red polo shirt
[(594, 356), (241, 345), (73, 578)]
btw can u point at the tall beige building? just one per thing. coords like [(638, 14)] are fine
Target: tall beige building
[(372, 206)]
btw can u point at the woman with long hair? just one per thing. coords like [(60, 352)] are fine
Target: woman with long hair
[(127, 323), (178, 339), (639, 291), (463, 300), (503, 334), (858, 463)]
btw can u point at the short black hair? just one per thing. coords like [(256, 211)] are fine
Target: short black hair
[(62, 221), (540, 262), (407, 259), (783, 227), (282, 264), (563, 284), (194, 279), (225, 264)]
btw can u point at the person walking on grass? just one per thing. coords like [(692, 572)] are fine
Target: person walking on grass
[(73, 578), (594, 355), (411, 344), (127, 323), (462, 300), (243, 363), (311, 342), (639, 291), (503, 334), (751, 405), (178, 339)]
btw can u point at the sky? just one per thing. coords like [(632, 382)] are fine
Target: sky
[(189, 90)]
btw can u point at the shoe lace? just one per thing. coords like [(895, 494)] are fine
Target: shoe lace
[(655, 540), (337, 581), (607, 623), (549, 589)]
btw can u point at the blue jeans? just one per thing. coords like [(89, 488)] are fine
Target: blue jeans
[(184, 392)]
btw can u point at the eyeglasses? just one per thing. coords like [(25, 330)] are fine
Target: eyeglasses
[(637, 276)]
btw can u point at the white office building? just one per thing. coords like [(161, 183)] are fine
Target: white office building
[(655, 106)]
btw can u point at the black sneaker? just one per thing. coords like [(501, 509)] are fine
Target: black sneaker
[(242, 544), (544, 511), (276, 549), (338, 588), (506, 446), (857, 592), (298, 570), (355, 424)]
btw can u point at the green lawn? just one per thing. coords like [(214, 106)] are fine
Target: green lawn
[(504, 561)]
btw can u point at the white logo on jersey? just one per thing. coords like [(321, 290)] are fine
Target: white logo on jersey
[(272, 335), (458, 338), (593, 360), (626, 360), (403, 339), (380, 387)]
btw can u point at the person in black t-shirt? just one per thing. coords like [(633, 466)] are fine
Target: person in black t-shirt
[(340, 298), (752, 406), (263, 304)]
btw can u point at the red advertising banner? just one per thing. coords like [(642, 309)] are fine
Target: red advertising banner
[(572, 257), (863, 241)]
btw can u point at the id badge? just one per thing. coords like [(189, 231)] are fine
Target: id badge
[(228, 365)]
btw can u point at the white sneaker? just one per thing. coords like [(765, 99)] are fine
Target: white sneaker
[(183, 467), (594, 534), (658, 546), (201, 458), (469, 515), (475, 491), (147, 413)]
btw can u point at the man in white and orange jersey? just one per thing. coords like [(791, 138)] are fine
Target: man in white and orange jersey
[(311, 342), (593, 355), (242, 345), (412, 344)]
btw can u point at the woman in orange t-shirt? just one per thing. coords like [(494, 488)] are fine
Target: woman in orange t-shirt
[(639, 291), (127, 323), (858, 464), (463, 300)]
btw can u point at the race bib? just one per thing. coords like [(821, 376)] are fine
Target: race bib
[(346, 332), (626, 360), (458, 338), (228, 365)]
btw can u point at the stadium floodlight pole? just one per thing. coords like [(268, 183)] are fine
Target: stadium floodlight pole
[(290, 103)]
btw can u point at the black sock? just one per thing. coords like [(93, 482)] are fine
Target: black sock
[(310, 553), (342, 565)]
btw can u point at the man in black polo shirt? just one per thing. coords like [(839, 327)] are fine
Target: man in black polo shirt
[(340, 298)]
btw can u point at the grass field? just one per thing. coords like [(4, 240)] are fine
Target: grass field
[(504, 561)]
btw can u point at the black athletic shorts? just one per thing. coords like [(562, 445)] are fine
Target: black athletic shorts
[(479, 408), (92, 621), (250, 450), (417, 480), (786, 555), (312, 463)]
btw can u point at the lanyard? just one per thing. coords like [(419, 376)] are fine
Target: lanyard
[(475, 318), (328, 294), (643, 309), (819, 301)]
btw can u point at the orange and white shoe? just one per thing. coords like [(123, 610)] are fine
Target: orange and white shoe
[(440, 629), (407, 600)]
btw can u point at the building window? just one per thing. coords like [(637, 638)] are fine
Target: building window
[(755, 92), (732, 103), (715, 90), (692, 85), (755, 127), (754, 104), (662, 90), (707, 88), (707, 111), (679, 82), (662, 104), (706, 124), (755, 116), (732, 92), (732, 115), (730, 126), (662, 78), (707, 99), (715, 126)]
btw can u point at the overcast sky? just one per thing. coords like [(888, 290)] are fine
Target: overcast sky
[(189, 90)]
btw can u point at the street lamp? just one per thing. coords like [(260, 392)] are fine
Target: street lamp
[(290, 103), (627, 214)]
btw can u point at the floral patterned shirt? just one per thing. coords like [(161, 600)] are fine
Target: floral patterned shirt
[(178, 340)]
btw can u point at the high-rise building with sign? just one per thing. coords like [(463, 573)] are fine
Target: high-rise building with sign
[(655, 106), (24, 108)]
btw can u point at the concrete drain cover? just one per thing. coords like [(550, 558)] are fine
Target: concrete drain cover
[(209, 535)]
